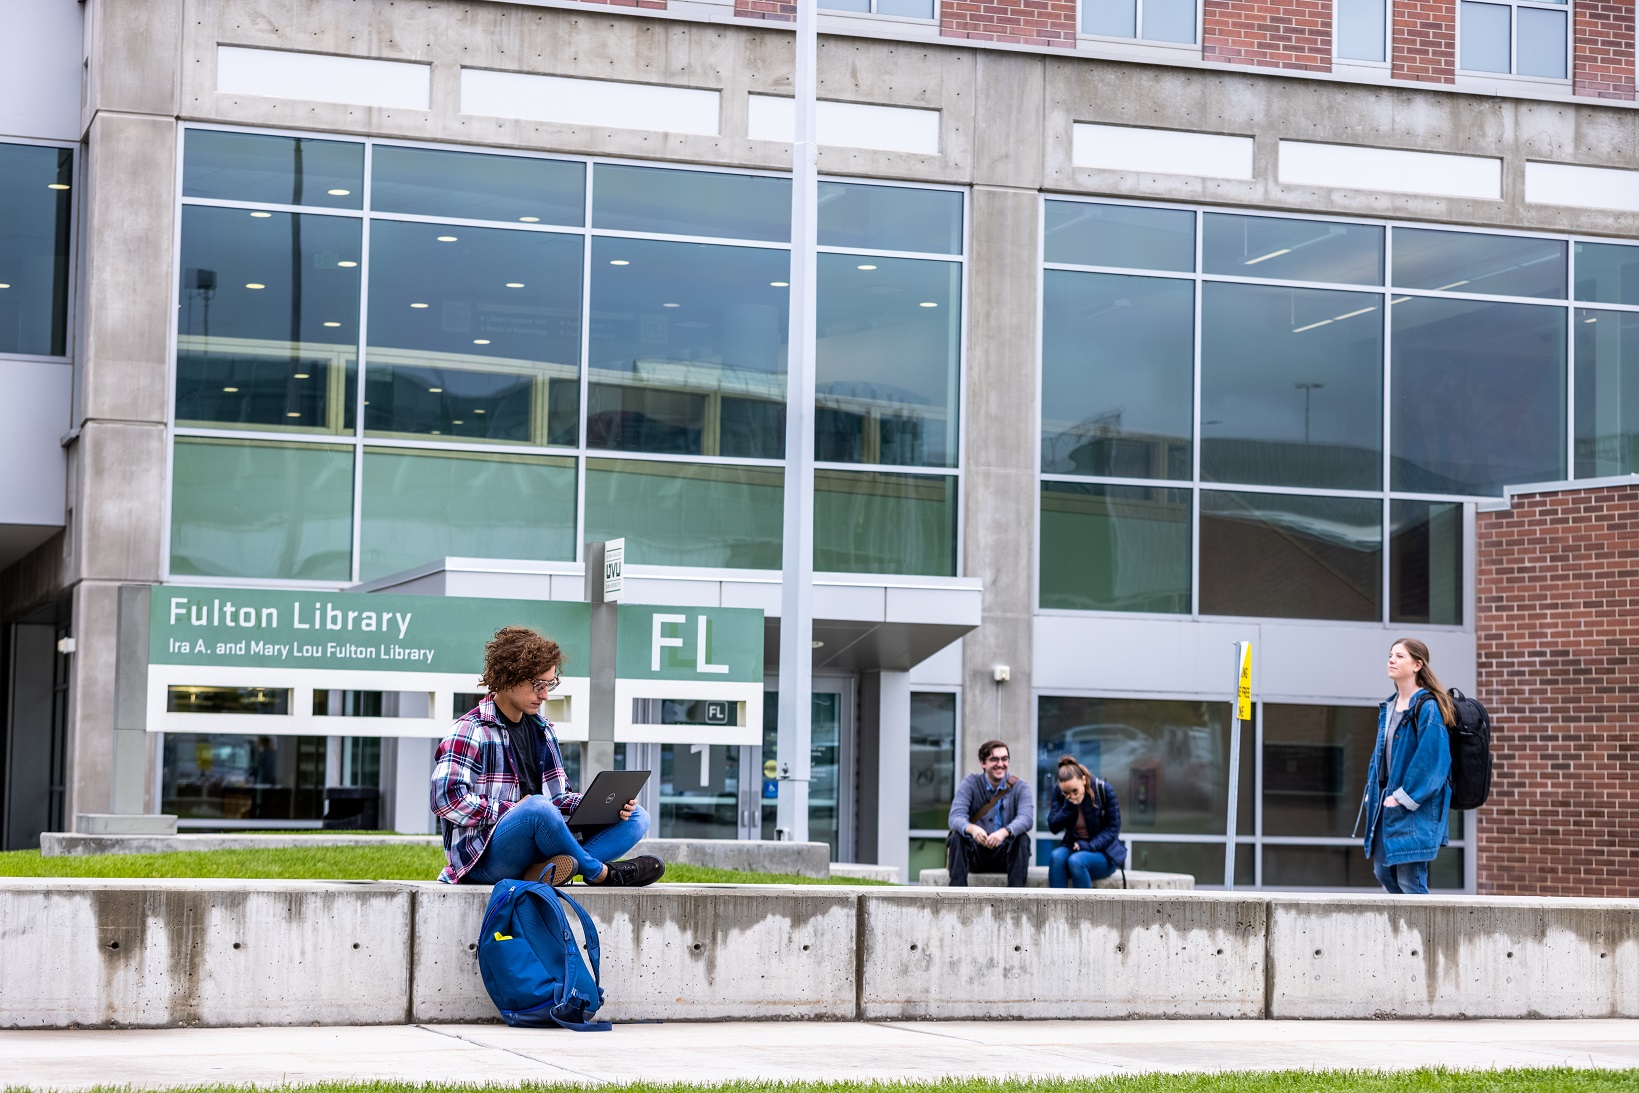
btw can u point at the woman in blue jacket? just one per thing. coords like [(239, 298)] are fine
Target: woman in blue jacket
[(1408, 785), (1085, 810)]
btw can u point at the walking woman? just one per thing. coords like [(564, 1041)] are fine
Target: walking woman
[(1408, 785), (1084, 808)]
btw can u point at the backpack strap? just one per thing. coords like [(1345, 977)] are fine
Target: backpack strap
[(571, 955)]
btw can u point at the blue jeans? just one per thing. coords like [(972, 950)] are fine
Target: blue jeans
[(1068, 868), (533, 830), (1407, 879)]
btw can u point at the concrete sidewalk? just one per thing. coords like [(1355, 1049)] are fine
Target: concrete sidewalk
[(683, 1052)]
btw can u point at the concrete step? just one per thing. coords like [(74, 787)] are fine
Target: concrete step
[(1136, 879)]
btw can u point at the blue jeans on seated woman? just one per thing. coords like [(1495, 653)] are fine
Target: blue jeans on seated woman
[(1068, 868), (533, 830), (1406, 879)]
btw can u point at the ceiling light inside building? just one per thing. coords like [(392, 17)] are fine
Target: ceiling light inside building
[(514, 284), (927, 303), (338, 192), (671, 305), (480, 341), (332, 324), (619, 262), (56, 185), (418, 305), (867, 266), (346, 265), (530, 219), (478, 411), (254, 284), (230, 390), (293, 413), (779, 284), (447, 238), (435, 390), (261, 216), (4, 286), (302, 376), (1266, 257)]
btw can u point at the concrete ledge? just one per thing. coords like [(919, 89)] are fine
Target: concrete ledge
[(54, 844), (865, 871), (1137, 880), (747, 855)]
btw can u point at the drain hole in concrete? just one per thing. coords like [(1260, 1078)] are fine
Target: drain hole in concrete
[(113, 944), (472, 947), (1120, 948), (235, 944), (698, 946), (805, 948), (1510, 956), (1317, 952), (1601, 956), (1414, 952), (913, 948), (1018, 948), (1220, 952), (355, 944)]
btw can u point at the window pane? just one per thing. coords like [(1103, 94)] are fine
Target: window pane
[(1169, 20), (687, 513), (267, 322), (890, 218), (1120, 235), (1118, 375), (888, 366), (1503, 365), (687, 348), (933, 759), (1607, 393), (1360, 29), (236, 777), (35, 212), (847, 5), (1291, 386), (1112, 18), (1541, 43), (1291, 557), (1114, 548), (430, 182), (1317, 866), (474, 333), (262, 510), (1485, 45), (1496, 265), (275, 170), (654, 199), (1203, 861), (1426, 562), (907, 9), (420, 507), (1314, 765), (1167, 761), (1292, 250), (872, 522), (1607, 273)]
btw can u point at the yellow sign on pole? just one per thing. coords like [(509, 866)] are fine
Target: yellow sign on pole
[(1243, 693)]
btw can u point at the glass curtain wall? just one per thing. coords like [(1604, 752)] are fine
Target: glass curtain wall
[(387, 354), (36, 218)]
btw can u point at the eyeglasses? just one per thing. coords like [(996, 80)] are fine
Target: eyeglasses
[(542, 686)]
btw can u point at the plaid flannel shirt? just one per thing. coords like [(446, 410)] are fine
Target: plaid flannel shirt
[(474, 783)]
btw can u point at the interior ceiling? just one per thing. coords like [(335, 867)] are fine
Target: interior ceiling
[(866, 646)]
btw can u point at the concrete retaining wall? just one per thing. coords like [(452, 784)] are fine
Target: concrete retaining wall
[(1135, 879), (169, 953)]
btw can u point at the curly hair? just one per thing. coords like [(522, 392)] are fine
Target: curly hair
[(517, 654)]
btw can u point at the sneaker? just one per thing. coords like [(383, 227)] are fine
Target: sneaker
[(634, 872), (555, 870)]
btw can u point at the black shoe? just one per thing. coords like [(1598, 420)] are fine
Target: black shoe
[(633, 872)]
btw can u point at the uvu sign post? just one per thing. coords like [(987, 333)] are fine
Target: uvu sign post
[(605, 577), (1240, 710)]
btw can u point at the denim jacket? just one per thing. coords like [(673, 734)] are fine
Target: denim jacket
[(1418, 778)]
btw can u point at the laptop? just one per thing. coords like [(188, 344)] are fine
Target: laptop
[(600, 805)]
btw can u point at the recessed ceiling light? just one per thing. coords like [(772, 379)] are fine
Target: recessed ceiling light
[(332, 324), (478, 411), (779, 284), (671, 305), (435, 390), (530, 219), (514, 284), (230, 390), (338, 193), (446, 239), (928, 303), (301, 376), (5, 286), (261, 216), (418, 305), (1590, 320), (458, 421), (619, 262), (56, 185), (437, 433), (346, 265), (865, 266), (480, 341), (293, 413), (254, 284)]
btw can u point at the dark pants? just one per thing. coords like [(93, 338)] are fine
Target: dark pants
[(966, 856)]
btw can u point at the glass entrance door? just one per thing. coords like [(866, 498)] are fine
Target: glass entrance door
[(830, 786), (699, 791)]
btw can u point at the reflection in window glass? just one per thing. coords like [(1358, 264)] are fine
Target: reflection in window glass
[(267, 319), (1607, 273), (36, 204), (1169, 21), (699, 791), (1114, 548), (1314, 765), (1291, 250), (1485, 45), (1541, 50), (1203, 861), (887, 373), (1362, 29), (1111, 18), (236, 777), (421, 506), (1607, 393), (273, 170), (1166, 760), (262, 510), (470, 186), (720, 517), (1126, 236), (1504, 364), (893, 218), (1319, 866), (671, 202), (906, 9), (1426, 562), (1117, 374), (1494, 265), (1291, 386), (687, 349), (1289, 557), (474, 333), (876, 522), (933, 759)]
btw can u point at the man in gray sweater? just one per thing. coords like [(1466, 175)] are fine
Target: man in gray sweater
[(990, 821)]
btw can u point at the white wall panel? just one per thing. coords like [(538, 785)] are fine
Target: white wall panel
[(34, 412), (1161, 151), (602, 103), (1582, 187), (40, 55), (848, 124), (1347, 167), (313, 77)]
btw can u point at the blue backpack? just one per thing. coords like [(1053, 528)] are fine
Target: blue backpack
[(531, 962)]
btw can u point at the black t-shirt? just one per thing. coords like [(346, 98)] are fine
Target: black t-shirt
[(525, 754)]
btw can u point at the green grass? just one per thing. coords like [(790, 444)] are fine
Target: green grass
[(378, 862), (1554, 1080)]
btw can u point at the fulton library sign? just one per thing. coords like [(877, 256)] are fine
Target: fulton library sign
[(373, 664)]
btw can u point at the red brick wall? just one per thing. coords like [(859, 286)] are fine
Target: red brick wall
[(1423, 44), (781, 10), (1602, 51), (1557, 620), (1268, 33), (1028, 22)]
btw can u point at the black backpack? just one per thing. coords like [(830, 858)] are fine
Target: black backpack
[(1470, 751)]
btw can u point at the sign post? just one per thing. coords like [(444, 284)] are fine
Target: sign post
[(1240, 709), (605, 565)]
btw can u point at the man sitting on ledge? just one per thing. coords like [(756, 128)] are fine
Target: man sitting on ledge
[(990, 821)]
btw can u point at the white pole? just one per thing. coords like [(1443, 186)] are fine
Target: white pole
[(797, 573), (1231, 817)]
